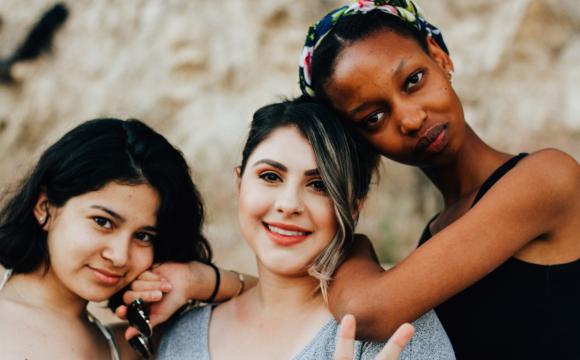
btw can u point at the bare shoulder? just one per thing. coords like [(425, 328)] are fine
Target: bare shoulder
[(553, 160), (551, 172)]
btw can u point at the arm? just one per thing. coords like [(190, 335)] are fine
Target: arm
[(544, 187), (170, 286)]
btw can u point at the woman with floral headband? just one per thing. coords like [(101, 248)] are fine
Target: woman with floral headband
[(500, 262)]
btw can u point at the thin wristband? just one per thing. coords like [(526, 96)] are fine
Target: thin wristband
[(242, 282), (217, 283)]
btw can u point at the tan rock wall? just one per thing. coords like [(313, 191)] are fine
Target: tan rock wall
[(197, 69)]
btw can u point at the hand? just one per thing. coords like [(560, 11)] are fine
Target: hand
[(166, 288), (391, 351)]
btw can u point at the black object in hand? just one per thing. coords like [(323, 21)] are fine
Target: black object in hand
[(138, 318)]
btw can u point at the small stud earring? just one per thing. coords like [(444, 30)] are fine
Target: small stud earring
[(450, 75)]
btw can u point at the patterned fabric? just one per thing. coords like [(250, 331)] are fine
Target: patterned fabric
[(406, 10)]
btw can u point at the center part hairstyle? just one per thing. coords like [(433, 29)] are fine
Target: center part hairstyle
[(345, 162), (86, 159)]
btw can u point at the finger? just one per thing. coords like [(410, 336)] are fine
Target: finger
[(147, 296), (149, 276), (130, 333), (396, 343), (150, 285), (121, 312), (345, 342)]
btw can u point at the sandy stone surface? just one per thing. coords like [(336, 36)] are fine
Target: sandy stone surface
[(196, 71)]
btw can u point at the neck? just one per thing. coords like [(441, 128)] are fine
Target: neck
[(464, 175), (279, 296), (42, 291)]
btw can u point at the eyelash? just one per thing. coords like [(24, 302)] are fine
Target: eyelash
[(269, 176), (99, 220), (420, 74), (105, 223), (316, 188)]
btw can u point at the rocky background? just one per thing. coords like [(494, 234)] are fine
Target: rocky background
[(197, 69)]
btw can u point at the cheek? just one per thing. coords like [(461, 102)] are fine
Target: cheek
[(141, 260), (253, 202), (323, 214)]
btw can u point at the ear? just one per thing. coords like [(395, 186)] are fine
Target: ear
[(42, 210), (358, 208), (439, 55), (238, 172)]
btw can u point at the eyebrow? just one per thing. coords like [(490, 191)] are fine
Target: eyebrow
[(282, 167), (119, 217), (400, 67), (109, 211)]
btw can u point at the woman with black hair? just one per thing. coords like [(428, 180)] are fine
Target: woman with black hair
[(500, 261), (104, 203)]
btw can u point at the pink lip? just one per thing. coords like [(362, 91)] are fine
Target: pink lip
[(286, 240), (106, 277), (433, 140)]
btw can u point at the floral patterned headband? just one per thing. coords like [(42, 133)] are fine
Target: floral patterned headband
[(406, 10)]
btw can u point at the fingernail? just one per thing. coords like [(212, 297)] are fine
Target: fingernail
[(166, 286), (141, 345)]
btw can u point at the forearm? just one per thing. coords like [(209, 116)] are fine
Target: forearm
[(203, 282)]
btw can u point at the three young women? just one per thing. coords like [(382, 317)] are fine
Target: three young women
[(500, 262), (102, 204)]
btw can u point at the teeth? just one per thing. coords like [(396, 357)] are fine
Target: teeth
[(285, 232)]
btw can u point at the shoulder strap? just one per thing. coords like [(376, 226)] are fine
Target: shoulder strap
[(107, 334), (496, 175)]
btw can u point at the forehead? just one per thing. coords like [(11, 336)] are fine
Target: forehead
[(288, 146), (139, 202), (372, 60)]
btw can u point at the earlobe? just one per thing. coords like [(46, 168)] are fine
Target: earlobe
[(439, 56)]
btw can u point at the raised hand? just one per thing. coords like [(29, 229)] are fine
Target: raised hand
[(166, 288), (391, 351)]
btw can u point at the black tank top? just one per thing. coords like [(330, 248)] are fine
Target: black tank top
[(518, 311)]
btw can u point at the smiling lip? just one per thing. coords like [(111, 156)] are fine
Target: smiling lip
[(433, 140), (106, 277), (286, 234)]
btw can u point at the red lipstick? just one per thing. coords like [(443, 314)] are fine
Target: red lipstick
[(286, 234)]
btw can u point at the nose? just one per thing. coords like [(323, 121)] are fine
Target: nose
[(410, 117), (289, 201), (117, 250)]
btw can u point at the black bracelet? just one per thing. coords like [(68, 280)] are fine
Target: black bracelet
[(217, 283)]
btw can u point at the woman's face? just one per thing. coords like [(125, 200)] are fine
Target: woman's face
[(101, 240), (399, 97), (285, 214)]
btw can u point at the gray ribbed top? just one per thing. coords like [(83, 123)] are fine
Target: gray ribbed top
[(187, 338)]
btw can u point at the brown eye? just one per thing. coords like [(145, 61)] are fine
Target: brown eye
[(374, 119), (318, 185), (144, 237), (103, 222), (269, 177), (414, 80)]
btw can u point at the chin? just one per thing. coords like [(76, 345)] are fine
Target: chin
[(286, 268)]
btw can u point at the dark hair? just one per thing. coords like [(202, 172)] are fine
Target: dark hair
[(87, 158), (345, 162), (347, 31)]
